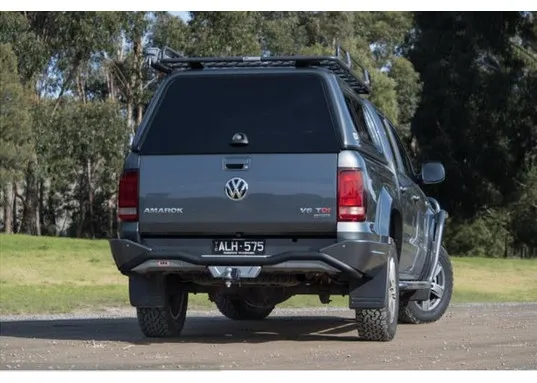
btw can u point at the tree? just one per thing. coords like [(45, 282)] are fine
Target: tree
[(523, 213), (462, 85), (61, 57), (85, 161), (283, 33), (224, 34), (171, 31), (408, 90), (476, 113), (15, 131)]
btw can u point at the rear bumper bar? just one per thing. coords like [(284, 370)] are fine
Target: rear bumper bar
[(354, 258)]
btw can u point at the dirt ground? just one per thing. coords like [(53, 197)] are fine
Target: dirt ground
[(500, 336)]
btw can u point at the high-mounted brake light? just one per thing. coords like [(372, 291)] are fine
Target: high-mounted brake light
[(351, 196), (128, 196)]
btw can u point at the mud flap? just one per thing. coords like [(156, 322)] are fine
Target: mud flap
[(416, 295), (147, 290), (370, 292)]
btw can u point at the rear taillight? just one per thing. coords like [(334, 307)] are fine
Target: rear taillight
[(128, 196), (351, 196)]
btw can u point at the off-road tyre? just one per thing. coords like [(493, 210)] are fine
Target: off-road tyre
[(381, 324), (413, 312), (239, 309), (164, 322)]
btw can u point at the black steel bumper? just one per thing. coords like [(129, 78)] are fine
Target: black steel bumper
[(353, 258)]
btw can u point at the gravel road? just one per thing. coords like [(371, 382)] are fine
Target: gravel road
[(492, 336)]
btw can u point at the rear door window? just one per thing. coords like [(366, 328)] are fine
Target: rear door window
[(278, 113), (357, 115)]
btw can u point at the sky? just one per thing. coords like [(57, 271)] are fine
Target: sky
[(183, 15)]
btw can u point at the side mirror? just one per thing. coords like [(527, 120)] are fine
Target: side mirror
[(432, 173)]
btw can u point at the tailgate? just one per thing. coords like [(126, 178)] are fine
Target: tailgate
[(273, 194), (268, 135)]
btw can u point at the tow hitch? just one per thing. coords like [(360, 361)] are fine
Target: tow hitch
[(232, 275)]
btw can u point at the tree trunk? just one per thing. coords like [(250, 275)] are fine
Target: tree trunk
[(16, 197), (133, 87), (110, 84), (51, 211), (139, 115), (43, 216), (30, 216), (130, 119), (138, 52), (9, 200), (66, 83), (506, 245), (82, 205), (79, 87), (90, 197), (111, 216)]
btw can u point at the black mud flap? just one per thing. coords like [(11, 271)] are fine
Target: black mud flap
[(147, 290), (370, 292), (416, 295)]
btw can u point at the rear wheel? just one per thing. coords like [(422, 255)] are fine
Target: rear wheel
[(432, 309), (168, 321), (240, 309), (381, 324)]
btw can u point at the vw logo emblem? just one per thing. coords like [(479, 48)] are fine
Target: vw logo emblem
[(236, 189)]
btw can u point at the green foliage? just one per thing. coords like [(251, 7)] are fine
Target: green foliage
[(385, 31), (332, 27), (524, 214), (477, 113), (384, 95), (32, 54), (461, 86), (408, 90), (85, 160), (15, 120), (283, 33), (170, 31), (486, 235), (224, 34)]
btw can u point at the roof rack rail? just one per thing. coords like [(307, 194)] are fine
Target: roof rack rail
[(341, 63), (153, 56)]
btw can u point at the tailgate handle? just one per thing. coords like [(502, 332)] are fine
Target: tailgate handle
[(236, 163)]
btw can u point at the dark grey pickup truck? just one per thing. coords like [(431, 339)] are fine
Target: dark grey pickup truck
[(255, 179)]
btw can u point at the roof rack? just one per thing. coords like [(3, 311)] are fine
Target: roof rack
[(342, 64)]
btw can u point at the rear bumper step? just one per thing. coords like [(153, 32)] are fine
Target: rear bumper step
[(353, 258), (414, 285)]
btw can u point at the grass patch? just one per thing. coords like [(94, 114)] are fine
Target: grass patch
[(54, 275), (495, 280), (26, 299)]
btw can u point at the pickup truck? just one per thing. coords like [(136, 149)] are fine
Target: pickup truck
[(256, 179)]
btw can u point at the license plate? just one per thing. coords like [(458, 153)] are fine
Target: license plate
[(238, 247)]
